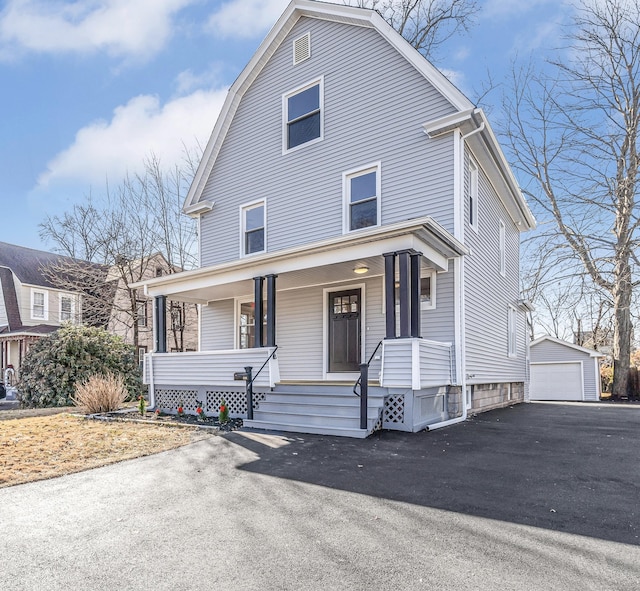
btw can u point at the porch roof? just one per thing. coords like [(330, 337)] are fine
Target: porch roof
[(327, 261)]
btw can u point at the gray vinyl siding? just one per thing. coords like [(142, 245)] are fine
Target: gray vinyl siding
[(557, 352), (217, 326), (488, 294), (300, 322), (374, 105)]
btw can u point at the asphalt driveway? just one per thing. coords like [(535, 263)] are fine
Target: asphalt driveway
[(538, 496)]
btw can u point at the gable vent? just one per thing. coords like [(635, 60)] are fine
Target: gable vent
[(301, 48)]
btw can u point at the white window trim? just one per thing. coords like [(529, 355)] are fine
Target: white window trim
[(503, 249), (73, 307), (238, 301), (45, 294), (346, 209), (243, 208), (285, 114), (423, 305), (474, 193), (512, 331)]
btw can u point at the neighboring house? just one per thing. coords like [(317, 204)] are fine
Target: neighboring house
[(563, 371), (181, 319), (353, 206), (601, 341), (30, 305)]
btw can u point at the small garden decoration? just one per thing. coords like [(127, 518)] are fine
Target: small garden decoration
[(142, 405), (180, 410), (200, 413), (223, 417)]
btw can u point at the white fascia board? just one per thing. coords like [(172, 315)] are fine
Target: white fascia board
[(591, 352), (199, 208), (421, 234), (448, 123)]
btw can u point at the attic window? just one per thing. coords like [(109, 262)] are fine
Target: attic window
[(301, 48)]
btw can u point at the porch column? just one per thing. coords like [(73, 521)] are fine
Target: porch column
[(405, 291), (271, 310), (258, 310), (390, 294), (415, 294), (160, 323)]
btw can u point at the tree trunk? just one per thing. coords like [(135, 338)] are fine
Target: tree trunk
[(622, 329)]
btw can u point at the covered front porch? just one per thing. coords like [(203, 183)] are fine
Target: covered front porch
[(329, 310)]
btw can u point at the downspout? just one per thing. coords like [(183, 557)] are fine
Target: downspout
[(460, 309)]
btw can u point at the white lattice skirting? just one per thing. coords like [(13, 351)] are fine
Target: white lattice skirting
[(168, 400), (393, 410)]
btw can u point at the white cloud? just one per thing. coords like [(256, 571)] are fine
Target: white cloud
[(123, 28), (188, 80), (109, 149), (246, 18)]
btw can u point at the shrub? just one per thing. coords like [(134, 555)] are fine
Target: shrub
[(56, 363), (101, 393)]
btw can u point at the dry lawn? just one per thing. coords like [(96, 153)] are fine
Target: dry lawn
[(42, 447)]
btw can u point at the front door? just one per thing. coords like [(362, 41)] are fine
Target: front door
[(344, 331)]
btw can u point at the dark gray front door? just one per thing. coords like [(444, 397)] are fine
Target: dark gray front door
[(344, 331)]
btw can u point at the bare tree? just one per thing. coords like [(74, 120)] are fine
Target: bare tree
[(425, 24), (136, 231), (574, 139)]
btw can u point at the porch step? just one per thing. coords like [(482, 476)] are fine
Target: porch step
[(329, 410), (313, 429)]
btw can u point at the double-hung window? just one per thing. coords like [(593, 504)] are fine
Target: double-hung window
[(303, 115), (512, 328), (253, 228), (473, 195), (39, 308), (362, 198), (503, 249), (66, 308), (142, 312)]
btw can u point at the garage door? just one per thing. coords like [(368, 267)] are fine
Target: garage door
[(556, 381)]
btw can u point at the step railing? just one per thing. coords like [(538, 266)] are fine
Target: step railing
[(251, 378), (363, 383)]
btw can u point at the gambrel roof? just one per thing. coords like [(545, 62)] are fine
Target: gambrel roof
[(296, 10), (468, 119)]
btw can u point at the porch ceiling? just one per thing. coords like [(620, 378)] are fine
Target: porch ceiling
[(327, 262)]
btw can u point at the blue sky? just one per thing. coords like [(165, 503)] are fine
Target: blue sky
[(89, 88)]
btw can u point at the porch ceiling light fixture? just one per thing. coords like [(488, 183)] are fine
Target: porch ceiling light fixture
[(361, 269)]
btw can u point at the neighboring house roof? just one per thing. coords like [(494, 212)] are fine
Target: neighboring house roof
[(27, 263), (297, 9), (11, 306), (551, 339), (25, 331)]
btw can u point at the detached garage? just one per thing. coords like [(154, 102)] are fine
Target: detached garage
[(563, 371)]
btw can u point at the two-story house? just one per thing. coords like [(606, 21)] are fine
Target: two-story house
[(30, 305), (357, 214), (134, 324)]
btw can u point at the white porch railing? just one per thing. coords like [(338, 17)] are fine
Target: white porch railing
[(209, 368), (416, 364)]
